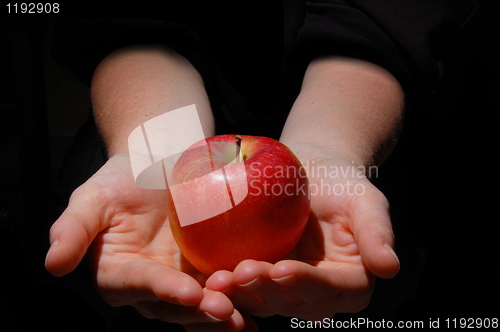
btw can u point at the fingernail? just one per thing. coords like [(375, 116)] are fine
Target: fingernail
[(250, 283), (282, 278), (285, 281), (213, 318), (51, 249), (389, 249)]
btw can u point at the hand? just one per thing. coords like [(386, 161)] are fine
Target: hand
[(135, 261), (348, 240)]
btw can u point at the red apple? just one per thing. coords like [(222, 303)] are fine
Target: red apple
[(233, 198)]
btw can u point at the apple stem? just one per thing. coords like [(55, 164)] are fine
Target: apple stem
[(238, 144)]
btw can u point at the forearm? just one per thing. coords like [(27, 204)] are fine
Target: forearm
[(347, 108), (135, 84)]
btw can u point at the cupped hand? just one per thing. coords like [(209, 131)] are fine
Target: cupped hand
[(123, 231), (347, 242)]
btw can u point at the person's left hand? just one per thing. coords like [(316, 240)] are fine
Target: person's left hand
[(347, 242)]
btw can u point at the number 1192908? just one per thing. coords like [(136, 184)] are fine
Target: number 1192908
[(471, 323), (33, 8)]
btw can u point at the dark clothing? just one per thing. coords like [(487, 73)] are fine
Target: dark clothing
[(415, 41), (419, 42), (411, 39)]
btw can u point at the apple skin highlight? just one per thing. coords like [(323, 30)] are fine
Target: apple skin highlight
[(264, 190)]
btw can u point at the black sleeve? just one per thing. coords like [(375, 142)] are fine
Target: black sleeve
[(82, 44), (412, 39)]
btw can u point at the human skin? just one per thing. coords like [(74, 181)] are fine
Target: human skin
[(119, 227), (346, 116), (347, 112)]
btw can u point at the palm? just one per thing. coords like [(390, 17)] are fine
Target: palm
[(328, 240), (135, 222), (131, 249), (135, 233), (328, 271)]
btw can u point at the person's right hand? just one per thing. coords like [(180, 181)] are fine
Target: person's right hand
[(124, 232)]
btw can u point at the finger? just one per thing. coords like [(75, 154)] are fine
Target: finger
[(215, 307), (249, 270), (221, 281), (372, 229), (253, 276), (72, 233), (317, 285), (251, 290), (236, 323), (145, 280), (250, 324), (242, 299), (324, 291)]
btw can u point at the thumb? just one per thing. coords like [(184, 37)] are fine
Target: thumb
[(372, 229), (74, 231)]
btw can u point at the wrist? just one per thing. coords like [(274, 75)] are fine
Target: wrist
[(347, 109), (307, 152), (138, 83), (116, 147)]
